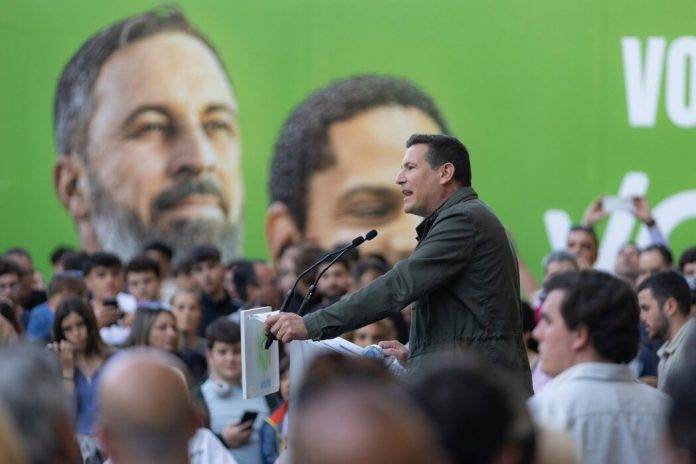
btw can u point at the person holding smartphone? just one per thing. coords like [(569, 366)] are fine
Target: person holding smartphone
[(236, 421), (104, 281)]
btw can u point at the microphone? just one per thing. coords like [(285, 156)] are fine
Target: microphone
[(288, 296), (368, 236)]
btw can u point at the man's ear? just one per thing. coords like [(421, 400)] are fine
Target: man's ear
[(582, 338), (671, 307), (281, 229), (69, 179), (446, 173)]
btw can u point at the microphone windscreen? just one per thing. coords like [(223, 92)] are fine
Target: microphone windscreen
[(358, 241), (371, 234)]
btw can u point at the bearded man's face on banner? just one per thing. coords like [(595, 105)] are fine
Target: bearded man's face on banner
[(162, 158)]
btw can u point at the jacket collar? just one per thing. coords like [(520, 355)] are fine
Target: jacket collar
[(463, 194), (668, 348), (598, 371)]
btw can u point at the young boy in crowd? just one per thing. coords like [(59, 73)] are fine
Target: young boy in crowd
[(104, 280), (143, 279), (208, 275), (221, 394)]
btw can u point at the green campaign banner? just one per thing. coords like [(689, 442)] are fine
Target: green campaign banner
[(253, 124)]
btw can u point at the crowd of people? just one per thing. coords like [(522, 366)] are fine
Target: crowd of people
[(130, 350), (140, 361)]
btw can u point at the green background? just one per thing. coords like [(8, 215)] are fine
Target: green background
[(534, 89)]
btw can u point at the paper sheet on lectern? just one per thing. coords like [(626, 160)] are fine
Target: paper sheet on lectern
[(260, 371), (303, 351)]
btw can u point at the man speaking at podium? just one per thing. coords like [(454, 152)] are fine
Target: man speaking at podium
[(462, 276)]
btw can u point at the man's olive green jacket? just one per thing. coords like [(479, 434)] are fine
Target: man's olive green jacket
[(464, 282)]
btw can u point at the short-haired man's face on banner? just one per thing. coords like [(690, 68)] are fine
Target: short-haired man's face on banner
[(359, 192), (162, 155), (344, 146)]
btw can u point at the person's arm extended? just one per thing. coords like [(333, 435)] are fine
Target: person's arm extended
[(443, 254), (529, 284)]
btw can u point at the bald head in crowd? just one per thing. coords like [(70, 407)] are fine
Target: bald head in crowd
[(146, 412), (376, 426)]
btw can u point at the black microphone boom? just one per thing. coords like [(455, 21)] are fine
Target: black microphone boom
[(288, 296), (369, 236)]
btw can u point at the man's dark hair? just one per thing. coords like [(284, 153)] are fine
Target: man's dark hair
[(142, 263), (203, 253), (663, 251), (688, 257), (101, 259), (58, 252), (588, 230), (18, 251), (223, 330), (67, 282), (669, 284), (182, 266), (243, 275), (75, 261), (74, 101), (303, 146), (475, 411), (10, 267), (160, 247), (606, 306), (445, 149)]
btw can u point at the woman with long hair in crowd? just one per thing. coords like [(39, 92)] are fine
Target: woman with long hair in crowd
[(81, 353), (187, 309), (156, 327)]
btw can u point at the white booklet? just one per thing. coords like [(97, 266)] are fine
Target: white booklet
[(260, 367)]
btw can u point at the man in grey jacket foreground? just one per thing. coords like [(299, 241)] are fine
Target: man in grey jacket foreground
[(462, 277)]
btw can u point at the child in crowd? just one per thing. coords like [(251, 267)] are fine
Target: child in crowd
[(221, 394), (143, 279)]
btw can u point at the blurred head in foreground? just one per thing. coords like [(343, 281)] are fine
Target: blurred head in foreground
[(146, 414), (351, 410)]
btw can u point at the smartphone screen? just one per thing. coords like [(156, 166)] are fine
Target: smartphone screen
[(611, 203), (248, 416)]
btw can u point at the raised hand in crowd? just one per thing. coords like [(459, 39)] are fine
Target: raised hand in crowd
[(106, 314), (598, 210), (642, 211), (595, 212), (65, 352)]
